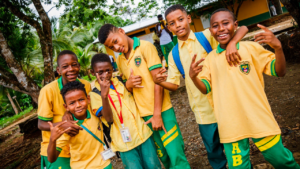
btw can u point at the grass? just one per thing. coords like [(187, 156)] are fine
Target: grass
[(5, 121)]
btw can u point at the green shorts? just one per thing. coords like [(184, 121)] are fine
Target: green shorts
[(166, 49), (60, 163)]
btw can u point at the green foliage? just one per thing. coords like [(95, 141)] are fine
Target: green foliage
[(87, 78), (5, 121)]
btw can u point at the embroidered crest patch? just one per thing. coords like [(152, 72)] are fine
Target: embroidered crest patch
[(245, 67), (138, 61)]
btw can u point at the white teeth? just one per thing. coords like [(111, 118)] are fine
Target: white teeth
[(222, 35)]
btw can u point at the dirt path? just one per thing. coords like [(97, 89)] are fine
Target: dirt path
[(6, 129)]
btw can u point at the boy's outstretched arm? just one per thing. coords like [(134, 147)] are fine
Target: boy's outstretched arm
[(104, 85), (232, 54), (195, 69), (160, 78), (269, 38), (56, 132)]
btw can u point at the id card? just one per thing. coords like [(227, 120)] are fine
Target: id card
[(107, 154), (125, 134)]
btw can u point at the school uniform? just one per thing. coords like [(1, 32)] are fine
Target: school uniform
[(201, 105), (166, 42), (50, 108), (143, 58), (85, 149), (140, 151), (241, 105)]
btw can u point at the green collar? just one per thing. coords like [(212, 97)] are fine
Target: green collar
[(220, 50), (88, 115), (136, 42), (60, 84)]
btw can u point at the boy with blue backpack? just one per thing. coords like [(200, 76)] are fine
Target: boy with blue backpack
[(180, 58)]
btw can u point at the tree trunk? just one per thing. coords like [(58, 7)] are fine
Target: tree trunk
[(89, 76), (293, 7), (12, 102), (17, 81)]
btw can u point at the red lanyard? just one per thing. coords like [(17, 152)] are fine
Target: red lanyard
[(113, 104)]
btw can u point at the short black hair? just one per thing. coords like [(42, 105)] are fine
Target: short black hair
[(65, 52), (101, 57), (104, 31), (174, 8), (159, 16), (224, 10), (71, 86)]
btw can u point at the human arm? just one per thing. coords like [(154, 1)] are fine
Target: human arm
[(160, 78), (134, 81), (195, 69), (74, 129), (158, 33), (156, 120), (269, 38), (232, 55), (56, 132), (106, 109)]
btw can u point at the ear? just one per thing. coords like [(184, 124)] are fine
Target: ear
[(66, 107), (88, 99), (121, 31), (236, 24), (189, 19), (92, 72), (57, 69)]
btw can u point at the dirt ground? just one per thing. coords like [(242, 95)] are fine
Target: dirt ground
[(20, 152)]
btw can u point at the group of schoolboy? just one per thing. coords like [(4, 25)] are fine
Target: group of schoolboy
[(226, 93)]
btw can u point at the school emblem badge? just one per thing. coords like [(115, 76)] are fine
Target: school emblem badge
[(245, 67), (138, 61)]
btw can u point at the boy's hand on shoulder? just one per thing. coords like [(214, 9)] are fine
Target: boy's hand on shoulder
[(232, 55), (134, 81), (160, 76), (267, 37), (73, 128), (57, 131), (195, 68), (104, 85), (67, 116)]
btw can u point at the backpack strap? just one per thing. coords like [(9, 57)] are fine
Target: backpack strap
[(176, 58), (95, 90), (203, 41)]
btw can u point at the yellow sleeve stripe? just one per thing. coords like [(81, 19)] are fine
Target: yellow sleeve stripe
[(273, 70), (58, 149), (207, 85), (155, 67), (45, 118), (267, 142)]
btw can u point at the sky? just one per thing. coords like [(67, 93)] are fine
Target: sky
[(58, 12)]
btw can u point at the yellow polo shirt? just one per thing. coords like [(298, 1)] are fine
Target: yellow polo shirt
[(51, 108), (131, 117), (85, 150), (240, 103), (143, 58), (201, 105)]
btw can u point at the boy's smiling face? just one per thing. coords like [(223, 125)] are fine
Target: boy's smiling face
[(101, 68), (68, 67), (222, 27), (117, 41), (76, 102), (179, 23)]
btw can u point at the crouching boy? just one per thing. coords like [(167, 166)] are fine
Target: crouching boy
[(87, 148)]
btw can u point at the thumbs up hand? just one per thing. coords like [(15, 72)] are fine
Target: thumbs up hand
[(134, 81)]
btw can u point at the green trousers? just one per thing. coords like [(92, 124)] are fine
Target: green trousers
[(170, 145), (60, 163), (166, 49), (211, 140), (143, 156), (271, 147)]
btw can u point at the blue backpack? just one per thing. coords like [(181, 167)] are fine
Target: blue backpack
[(175, 52)]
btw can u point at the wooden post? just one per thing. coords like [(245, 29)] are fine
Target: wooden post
[(15, 97), (12, 102)]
